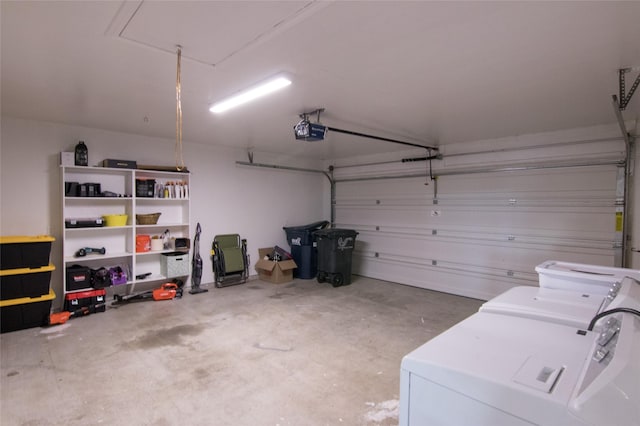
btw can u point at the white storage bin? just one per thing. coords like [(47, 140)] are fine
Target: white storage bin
[(174, 264), (585, 278)]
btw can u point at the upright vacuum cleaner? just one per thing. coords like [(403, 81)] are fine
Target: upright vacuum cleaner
[(196, 265)]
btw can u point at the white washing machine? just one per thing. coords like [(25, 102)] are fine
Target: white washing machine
[(580, 277), (572, 308), (497, 370)]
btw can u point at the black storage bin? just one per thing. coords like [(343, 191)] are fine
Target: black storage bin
[(335, 250), (303, 248), (25, 312), (25, 282), (25, 252)]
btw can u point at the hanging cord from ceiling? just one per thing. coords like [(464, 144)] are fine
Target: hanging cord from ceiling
[(178, 147)]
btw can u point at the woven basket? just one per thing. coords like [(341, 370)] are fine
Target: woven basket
[(147, 219)]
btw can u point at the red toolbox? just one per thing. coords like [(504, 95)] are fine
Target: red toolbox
[(93, 300)]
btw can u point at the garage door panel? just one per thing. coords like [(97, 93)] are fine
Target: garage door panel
[(479, 233), (560, 180), (600, 220), (460, 282), (507, 254)]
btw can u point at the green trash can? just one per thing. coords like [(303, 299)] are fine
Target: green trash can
[(335, 252)]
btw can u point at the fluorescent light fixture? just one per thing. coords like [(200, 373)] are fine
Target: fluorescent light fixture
[(251, 94)]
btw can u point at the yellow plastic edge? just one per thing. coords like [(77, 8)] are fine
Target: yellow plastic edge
[(12, 239), (20, 271), (23, 300)]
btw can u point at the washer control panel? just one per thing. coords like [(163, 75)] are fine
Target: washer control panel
[(614, 289), (604, 350)]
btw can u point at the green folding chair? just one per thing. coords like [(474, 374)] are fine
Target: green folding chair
[(230, 260)]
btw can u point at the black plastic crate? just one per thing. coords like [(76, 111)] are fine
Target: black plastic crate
[(19, 314), (17, 283), (25, 252)]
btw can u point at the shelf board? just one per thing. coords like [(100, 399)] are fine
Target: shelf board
[(100, 228), (94, 257), (152, 278), (161, 225), (148, 253), (96, 169), (155, 200), (92, 199)]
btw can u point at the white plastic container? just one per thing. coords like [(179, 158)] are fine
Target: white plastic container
[(593, 279)]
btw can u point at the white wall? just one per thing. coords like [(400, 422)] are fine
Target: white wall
[(225, 197)]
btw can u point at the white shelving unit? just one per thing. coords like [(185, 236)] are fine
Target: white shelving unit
[(120, 241)]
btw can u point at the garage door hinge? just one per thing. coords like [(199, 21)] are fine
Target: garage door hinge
[(510, 273), (512, 201)]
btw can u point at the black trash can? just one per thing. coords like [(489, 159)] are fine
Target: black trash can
[(303, 248), (335, 250)]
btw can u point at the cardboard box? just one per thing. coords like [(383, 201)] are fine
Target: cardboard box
[(275, 272), (67, 159)]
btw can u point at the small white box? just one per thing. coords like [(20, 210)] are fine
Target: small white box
[(67, 159), (174, 264)]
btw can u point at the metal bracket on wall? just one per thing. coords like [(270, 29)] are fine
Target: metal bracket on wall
[(624, 179), (625, 98)]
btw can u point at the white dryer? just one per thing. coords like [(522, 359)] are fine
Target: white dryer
[(496, 370), (581, 277)]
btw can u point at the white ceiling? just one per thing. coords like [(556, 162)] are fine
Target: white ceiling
[(425, 72)]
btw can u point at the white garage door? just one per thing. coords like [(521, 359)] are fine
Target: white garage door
[(479, 233)]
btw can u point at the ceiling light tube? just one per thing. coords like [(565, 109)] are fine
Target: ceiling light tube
[(245, 96)]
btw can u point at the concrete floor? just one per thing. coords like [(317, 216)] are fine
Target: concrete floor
[(301, 353)]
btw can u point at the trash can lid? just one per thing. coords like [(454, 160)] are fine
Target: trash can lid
[(309, 227)]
